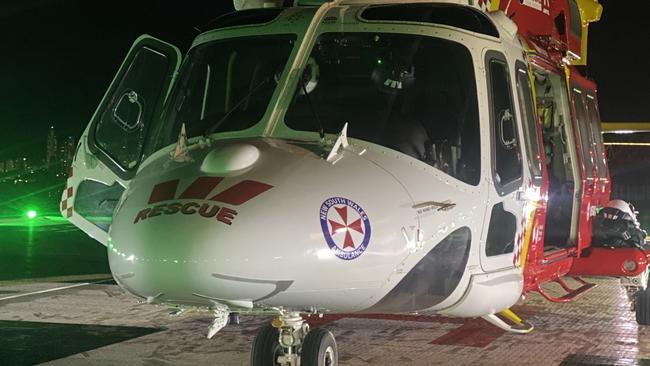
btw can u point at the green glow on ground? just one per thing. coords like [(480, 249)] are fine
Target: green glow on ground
[(44, 220)]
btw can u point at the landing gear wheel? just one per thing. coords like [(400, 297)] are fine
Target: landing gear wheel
[(641, 300), (319, 349), (642, 307), (266, 347)]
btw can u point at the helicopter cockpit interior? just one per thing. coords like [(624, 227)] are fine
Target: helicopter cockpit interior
[(555, 119), (410, 93)]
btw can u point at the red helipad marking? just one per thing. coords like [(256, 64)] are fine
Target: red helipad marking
[(200, 188), (471, 332), (241, 192), (164, 191), (480, 333), (315, 321)]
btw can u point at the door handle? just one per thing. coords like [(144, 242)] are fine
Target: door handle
[(440, 206), (520, 195)]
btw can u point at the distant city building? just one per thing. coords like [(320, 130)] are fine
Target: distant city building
[(57, 161), (67, 152), (51, 152)]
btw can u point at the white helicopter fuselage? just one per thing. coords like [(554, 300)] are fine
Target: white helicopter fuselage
[(273, 217)]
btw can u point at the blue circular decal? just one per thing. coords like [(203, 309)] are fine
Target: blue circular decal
[(346, 227)]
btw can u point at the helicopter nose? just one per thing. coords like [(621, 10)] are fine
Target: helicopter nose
[(172, 262), (168, 249), (245, 221)]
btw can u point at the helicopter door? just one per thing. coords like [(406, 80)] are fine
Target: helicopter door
[(502, 244), (111, 148)]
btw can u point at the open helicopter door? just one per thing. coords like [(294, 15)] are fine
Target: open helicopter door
[(112, 146), (503, 239)]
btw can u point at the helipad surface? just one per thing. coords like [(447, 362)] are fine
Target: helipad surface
[(97, 323)]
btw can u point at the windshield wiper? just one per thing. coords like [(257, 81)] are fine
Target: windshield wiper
[(239, 103)]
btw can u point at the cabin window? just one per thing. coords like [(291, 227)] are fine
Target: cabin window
[(594, 118), (506, 152), (225, 86), (529, 121), (96, 202), (413, 94), (584, 133), (501, 232)]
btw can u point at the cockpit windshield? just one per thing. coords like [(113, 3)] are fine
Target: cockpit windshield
[(414, 94), (224, 85)]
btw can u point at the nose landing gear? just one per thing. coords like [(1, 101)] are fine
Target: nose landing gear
[(221, 316), (639, 295), (288, 341), (319, 348)]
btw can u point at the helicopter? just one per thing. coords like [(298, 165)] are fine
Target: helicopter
[(311, 157)]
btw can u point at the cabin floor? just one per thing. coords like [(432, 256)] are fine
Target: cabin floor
[(99, 324)]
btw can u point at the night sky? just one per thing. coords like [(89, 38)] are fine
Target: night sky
[(58, 56)]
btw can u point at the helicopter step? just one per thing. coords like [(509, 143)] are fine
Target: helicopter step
[(571, 294), (515, 325)]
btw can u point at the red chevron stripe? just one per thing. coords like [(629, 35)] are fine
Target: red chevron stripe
[(163, 191), (241, 192), (200, 188)]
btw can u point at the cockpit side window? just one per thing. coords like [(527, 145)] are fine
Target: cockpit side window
[(527, 108), (506, 153), (122, 127), (594, 118), (584, 133), (410, 93)]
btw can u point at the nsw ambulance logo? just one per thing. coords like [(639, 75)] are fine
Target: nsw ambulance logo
[(346, 227), (198, 199)]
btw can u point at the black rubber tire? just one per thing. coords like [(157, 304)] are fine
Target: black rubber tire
[(642, 307), (315, 346), (265, 346)]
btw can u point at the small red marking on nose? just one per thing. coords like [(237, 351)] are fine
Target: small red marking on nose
[(200, 188), (163, 191), (241, 192)]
